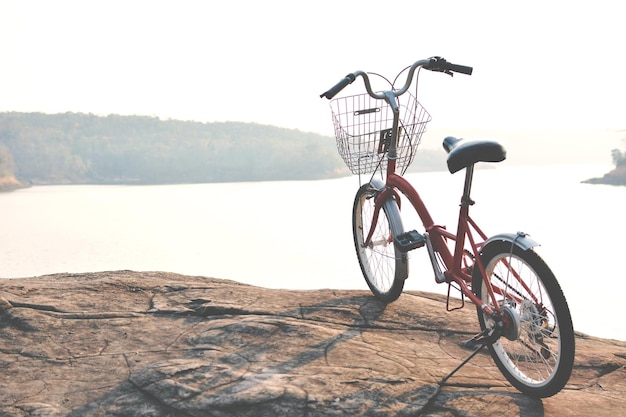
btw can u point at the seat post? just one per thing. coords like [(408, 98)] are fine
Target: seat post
[(469, 176)]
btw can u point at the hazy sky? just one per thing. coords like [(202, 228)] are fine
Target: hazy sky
[(537, 63)]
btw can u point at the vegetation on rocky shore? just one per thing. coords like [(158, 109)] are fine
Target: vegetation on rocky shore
[(617, 176), (9, 183)]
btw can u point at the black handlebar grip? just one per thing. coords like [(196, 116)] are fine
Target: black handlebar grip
[(339, 86), (461, 68)]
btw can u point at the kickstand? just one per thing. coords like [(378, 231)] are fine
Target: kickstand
[(486, 337)]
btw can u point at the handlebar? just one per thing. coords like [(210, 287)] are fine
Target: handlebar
[(436, 64)]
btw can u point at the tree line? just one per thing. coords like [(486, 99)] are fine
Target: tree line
[(619, 157), (78, 148), (84, 148)]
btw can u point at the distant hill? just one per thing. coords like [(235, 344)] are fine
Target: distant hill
[(77, 148), (84, 148)]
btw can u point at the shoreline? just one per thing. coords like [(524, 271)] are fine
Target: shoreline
[(10, 183), (616, 177)]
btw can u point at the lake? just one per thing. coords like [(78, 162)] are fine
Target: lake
[(297, 235)]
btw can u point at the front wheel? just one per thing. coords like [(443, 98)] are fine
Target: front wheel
[(536, 352), (384, 267)]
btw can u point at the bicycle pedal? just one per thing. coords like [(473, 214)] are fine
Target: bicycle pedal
[(409, 240)]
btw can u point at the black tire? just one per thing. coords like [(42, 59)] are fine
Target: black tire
[(384, 267), (537, 354)]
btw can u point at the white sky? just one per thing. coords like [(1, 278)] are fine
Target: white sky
[(537, 64)]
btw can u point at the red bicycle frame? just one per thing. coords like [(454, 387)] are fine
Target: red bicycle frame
[(531, 343), (438, 235)]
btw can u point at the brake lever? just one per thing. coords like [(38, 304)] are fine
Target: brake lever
[(438, 64)]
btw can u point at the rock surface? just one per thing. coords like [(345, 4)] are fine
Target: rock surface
[(160, 344)]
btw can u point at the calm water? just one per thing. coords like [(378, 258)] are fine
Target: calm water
[(298, 234)]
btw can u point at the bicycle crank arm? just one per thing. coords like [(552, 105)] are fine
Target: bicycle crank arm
[(379, 242), (439, 276)]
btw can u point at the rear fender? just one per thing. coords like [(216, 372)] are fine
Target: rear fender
[(519, 239)]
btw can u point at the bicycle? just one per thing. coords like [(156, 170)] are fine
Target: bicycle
[(523, 315)]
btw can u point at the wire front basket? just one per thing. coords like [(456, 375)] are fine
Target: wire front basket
[(363, 128)]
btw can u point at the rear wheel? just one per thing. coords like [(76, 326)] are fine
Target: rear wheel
[(536, 352), (384, 267)]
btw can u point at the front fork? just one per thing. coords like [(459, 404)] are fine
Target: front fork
[(380, 196)]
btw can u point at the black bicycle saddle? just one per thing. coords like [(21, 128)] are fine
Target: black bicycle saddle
[(462, 154)]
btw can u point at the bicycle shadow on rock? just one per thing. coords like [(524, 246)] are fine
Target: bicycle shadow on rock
[(481, 402), (295, 363)]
